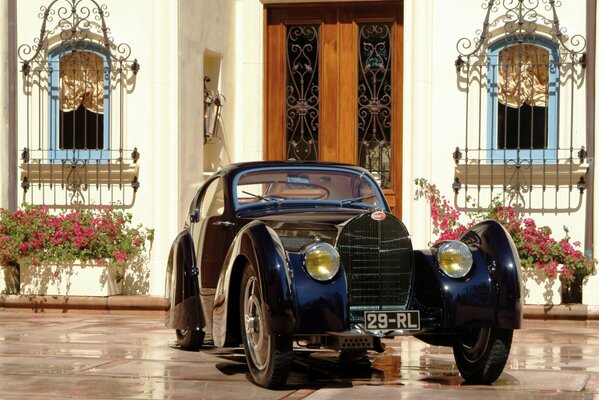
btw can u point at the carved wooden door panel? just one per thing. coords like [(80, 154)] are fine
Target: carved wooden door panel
[(333, 87)]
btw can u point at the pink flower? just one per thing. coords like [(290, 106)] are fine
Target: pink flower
[(120, 256)]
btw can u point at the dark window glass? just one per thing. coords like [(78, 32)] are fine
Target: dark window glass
[(523, 127), (81, 129)]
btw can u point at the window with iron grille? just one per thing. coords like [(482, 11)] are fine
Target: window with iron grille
[(523, 81), (75, 81)]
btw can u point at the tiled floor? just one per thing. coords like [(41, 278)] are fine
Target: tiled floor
[(101, 356)]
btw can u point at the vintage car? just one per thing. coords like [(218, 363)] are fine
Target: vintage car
[(277, 253)]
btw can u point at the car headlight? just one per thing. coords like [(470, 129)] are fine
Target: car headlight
[(454, 258), (321, 261)]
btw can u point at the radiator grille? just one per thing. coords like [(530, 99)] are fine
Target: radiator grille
[(378, 261)]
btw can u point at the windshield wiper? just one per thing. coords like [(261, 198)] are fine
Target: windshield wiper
[(275, 200), (347, 202)]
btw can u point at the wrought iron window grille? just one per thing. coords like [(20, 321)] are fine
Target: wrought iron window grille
[(529, 143), (74, 140)]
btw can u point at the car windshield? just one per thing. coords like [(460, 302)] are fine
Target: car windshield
[(343, 188)]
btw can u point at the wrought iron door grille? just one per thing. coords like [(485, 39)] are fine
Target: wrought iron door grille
[(378, 261), (302, 92), (375, 100)]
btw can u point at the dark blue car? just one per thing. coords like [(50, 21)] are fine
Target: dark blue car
[(277, 253)]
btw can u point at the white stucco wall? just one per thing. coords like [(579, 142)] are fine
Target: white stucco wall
[(165, 111), (164, 114)]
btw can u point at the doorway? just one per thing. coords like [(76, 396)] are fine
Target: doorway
[(333, 87)]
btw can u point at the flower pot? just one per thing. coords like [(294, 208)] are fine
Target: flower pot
[(572, 293), (539, 289), (9, 279), (73, 279)]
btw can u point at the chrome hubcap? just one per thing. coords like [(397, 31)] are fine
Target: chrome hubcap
[(475, 344), (257, 340)]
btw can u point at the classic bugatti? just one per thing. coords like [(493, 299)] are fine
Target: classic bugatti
[(277, 253)]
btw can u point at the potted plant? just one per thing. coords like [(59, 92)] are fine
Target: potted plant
[(72, 252), (543, 259)]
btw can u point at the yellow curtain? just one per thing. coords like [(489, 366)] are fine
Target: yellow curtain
[(524, 75), (82, 81)]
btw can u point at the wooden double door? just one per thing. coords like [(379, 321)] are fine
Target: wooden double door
[(333, 86)]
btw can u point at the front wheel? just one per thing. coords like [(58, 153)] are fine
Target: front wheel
[(189, 340), (268, 356), (481, 353)]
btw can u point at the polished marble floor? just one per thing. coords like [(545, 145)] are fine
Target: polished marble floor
[(102, 356)]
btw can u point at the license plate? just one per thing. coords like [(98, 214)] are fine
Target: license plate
[(404, 320)]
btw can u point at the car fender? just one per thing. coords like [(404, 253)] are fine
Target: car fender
[(504, 270), (489, 295), (182, 286), (259, 245)]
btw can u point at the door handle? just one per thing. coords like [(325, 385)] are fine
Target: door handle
[(226, 224)]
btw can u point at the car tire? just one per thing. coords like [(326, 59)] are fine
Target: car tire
[(189, 340), (268, 356), (481, 353)]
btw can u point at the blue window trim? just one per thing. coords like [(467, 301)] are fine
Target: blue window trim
[(535, 155), (54, 153)]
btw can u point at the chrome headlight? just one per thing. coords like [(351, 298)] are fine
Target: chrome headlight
[(454, 258), (321, 261)]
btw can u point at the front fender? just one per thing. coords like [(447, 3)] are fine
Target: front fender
[(182, 287), (490, 295), (259, 245), (504, 270)]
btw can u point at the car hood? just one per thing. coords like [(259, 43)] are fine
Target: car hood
[(298, 228)]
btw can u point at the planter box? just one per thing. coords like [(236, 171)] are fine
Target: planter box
[(538, 289), (9, 279), (77, 279)]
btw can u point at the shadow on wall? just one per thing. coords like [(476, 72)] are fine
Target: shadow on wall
[(136, 280)]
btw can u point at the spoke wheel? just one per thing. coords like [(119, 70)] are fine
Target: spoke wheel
[(268, 356), (189, 340), (257, 338), (481, 353)]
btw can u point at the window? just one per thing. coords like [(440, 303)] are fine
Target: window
[(79, 104), (523, 101), (213, 200), (75, 83), (325, 186)]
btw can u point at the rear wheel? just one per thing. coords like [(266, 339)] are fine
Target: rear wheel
[(189, 340), (268, 356), (481, 353)]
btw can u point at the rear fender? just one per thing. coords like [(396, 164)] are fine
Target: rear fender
[(259, 245), (182, 287)]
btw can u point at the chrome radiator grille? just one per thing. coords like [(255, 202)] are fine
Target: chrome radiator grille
[(378, 261)]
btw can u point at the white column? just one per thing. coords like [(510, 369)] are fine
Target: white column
[(417, 132), (590, 292), (163, 169), (247, 133), (4, 106)]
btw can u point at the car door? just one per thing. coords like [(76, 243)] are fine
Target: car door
[(212, 233)]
